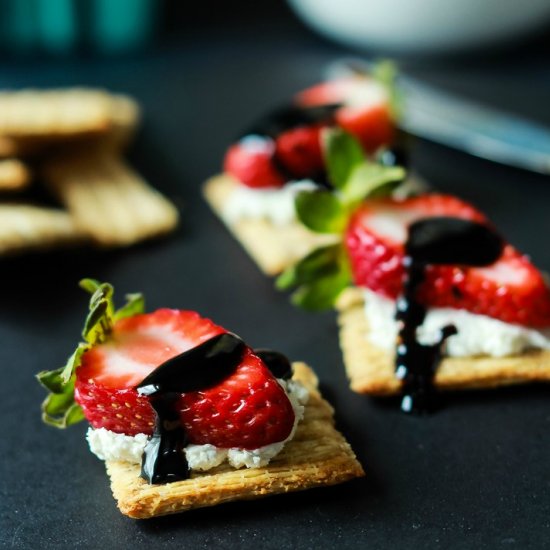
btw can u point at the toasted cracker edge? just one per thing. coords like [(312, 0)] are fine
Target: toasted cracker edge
[(371, 369), (14, 175), (318, 455), (272, 247)]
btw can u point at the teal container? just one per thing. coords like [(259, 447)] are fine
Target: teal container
[(119, 26), (59, 27)]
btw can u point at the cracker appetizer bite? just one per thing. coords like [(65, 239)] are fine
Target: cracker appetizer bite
[(428, 293), (284, 154), (186, 415)]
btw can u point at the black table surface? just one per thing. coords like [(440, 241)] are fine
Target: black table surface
[(473, 475)]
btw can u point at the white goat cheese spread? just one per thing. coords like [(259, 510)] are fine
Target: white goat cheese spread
[(477, 334), (108, 445), (275, 204)]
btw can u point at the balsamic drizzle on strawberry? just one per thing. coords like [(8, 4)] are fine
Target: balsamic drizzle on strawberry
[(276, 362), (197, 369), (291, 116), (163, 459), (433, 241)]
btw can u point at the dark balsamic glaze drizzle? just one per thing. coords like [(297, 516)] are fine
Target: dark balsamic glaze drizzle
[(416, 363), (212, 361), (163, 459), (276, 362), (197, 369), (287, 118), (291, 116), (433, 241)]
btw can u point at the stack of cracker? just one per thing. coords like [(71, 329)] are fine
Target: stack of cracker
[(72, 140)]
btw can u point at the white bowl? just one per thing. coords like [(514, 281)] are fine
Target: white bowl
[(422, 26)]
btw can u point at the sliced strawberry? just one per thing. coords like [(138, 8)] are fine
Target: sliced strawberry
[(511, 289), (371, 125), (377, 232), (364, 110), (259, 162), (249, 409), (251, 162), (329, 92), (299, 151)]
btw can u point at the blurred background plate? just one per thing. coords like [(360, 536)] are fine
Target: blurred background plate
[(408, 27)]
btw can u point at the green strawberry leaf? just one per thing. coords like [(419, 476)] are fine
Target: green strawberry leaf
[(59, 409), (73, 362), (318, 278), (321, 211), (343, 153), (51, 380), (320, 261), (370, 179), (135, 304), (321, 294), (386, 72), (99, 322), (353, 175), (89, 285)]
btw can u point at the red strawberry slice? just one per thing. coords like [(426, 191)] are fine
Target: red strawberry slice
[(251, 162), (511, 290), (258, 162), (248, 410), (329, 92), (299, 151), (377, 232), (364, 113), (372, 125)]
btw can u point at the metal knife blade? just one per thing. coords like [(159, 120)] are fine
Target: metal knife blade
[(465, 125)]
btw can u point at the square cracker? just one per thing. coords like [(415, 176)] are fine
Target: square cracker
[(272, 247), (62, 112), (26, 227), (318, 455), (64, 119), (371, 369), (107, 200)]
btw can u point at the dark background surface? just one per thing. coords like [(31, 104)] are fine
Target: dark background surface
[(474, 475)]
